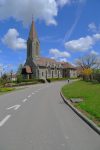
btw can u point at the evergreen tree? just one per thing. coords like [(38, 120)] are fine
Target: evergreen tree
[(19, 71)]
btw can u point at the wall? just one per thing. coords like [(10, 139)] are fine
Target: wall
[(49, 73)]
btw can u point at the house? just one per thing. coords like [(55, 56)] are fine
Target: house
[(40, 67), (12, 77)]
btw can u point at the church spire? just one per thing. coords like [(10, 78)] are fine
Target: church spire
[(32, 34), (33, 44)]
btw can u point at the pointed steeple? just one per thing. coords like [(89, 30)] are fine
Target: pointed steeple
[(33, 44), (32, 33)]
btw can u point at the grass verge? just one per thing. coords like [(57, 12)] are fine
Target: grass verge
[(6, 90), (90, 93)]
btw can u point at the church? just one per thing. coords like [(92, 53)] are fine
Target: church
[(40, 67)]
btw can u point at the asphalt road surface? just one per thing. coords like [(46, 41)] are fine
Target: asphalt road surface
[(36, 118)]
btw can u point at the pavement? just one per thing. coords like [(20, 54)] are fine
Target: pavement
[(36, 118)]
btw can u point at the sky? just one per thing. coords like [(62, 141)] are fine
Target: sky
[(67, 29)]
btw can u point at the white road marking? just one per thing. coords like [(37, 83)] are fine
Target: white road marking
[(24, 100), (36, 91), (15, 107), (33, 93), (4, 120), (29, 96)]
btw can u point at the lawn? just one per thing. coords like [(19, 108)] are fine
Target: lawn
[(5, 90), (90, 93)]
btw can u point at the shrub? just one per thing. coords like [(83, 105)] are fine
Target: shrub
[(29, 80), (4, 80), (48, 80), (55, 79), (41, 80), (19, 78)]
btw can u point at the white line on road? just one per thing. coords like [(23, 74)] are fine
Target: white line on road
[(29, 96), (33, 93), (36, 91), (24, 100), (15, 107), (4, 120)]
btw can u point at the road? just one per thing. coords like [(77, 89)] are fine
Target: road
[(36, 118)]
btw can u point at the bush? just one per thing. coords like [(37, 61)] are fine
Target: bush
[(41, 80), (55, 79), (4, 80), (29, 80), (19, 79), (48, 80)]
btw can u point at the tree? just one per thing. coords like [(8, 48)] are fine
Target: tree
[(87, 73), (88, 63), (19, 71), (19, 78), (4, 79)]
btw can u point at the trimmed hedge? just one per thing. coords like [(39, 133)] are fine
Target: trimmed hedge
[(41, 80), (55, 79)]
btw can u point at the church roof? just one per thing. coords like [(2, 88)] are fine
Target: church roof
[(41, 61), (26, 69), (67, 65), (32, 33)]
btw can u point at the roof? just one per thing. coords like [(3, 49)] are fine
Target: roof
[(26, 69), (67, 65), (32, 33), (41, 61)]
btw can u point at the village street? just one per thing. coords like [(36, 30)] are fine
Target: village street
[(36, 118)]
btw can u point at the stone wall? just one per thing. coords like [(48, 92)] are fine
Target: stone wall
[(44, 73)]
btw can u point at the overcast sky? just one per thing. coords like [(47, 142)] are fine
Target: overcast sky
[(67, 29)]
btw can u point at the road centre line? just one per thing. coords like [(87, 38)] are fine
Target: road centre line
[(15, 107), (4, 120), (29, 96), (33, 93), (24, 100), (36, 91)]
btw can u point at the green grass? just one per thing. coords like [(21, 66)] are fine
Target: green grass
[(5, 90), (90, 93)]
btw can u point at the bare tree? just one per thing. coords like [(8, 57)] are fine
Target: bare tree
[(88, 61), (88, 65)]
